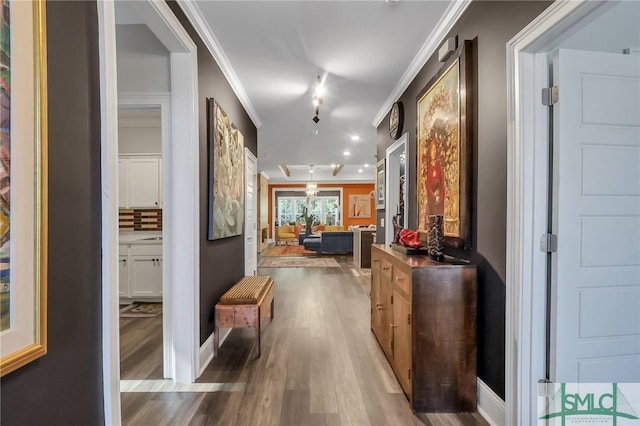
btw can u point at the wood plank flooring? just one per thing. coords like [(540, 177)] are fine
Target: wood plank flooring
[(320, 365)]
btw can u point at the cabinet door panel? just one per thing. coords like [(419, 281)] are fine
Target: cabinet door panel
[(122, 184), (145, 277), (402, 340), (123, 276), (144, 182), (386, 315)]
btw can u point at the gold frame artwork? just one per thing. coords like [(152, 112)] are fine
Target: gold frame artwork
[(24, 171), (444, 134)]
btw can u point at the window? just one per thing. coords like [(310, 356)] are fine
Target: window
[(325, 209)]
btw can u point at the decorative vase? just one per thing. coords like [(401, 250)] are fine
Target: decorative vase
[(436, 237)]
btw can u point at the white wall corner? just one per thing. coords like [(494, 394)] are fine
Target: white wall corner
[(490, 405), (206, 350)]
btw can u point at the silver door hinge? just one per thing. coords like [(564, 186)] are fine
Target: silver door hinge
[(549, 243), (546, 388), (550, 95)]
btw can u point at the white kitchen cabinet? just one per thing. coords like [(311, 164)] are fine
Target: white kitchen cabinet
[(141, 269), (122, 182), (146, 276), (123, 272), (142, 177)]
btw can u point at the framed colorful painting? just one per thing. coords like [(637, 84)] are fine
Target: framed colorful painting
[(226, 174), (444, 148), (23, 183)]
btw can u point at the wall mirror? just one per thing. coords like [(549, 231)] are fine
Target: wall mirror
[(397, 203)]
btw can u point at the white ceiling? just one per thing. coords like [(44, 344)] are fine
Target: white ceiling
[(277, 49), (273, 51)]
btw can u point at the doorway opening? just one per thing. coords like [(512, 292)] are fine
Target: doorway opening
[(600, 29), (179, 195)]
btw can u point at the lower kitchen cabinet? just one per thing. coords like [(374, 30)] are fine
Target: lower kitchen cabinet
[(123, 272), (140, 271), (423, 314)]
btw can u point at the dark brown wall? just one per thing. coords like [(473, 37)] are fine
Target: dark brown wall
[(65, 386), (490, 25), (221, 261)]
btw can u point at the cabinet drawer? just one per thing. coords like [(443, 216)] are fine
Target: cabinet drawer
[(146, 250), (402, 280), (386, 268)]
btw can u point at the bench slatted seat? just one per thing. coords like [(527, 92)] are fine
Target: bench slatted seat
[(246, 304)]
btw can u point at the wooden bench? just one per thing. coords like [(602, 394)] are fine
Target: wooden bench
[(244, 305)]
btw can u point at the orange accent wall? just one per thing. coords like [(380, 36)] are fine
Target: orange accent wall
[(347, 189)]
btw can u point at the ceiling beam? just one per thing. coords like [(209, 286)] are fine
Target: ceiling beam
[(284, 169)]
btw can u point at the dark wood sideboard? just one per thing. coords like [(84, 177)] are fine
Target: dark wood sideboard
[(423, 314)]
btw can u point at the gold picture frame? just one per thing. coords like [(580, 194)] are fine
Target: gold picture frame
[(23, 169), (444, 133)]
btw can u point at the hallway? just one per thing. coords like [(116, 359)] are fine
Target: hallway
[(320, 365)]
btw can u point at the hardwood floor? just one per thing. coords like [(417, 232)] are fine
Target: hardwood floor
[(141, 348), (320, 365)]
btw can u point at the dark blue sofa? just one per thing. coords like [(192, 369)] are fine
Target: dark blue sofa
[(330, 242)]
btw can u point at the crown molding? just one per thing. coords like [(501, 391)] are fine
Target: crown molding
[(191, 9), (450, 17)]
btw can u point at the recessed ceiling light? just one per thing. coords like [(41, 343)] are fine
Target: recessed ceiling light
[(346, 153), (359, 170), (366, 165), (355, 138), (333, 166)]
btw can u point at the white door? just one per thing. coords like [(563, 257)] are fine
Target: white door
[(595, 305), (250, 207)]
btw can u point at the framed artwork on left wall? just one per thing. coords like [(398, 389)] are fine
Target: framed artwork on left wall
[(23, 184), (226, 174)]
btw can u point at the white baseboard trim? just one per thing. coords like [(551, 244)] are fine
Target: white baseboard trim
[(490, 405), (206, 350)]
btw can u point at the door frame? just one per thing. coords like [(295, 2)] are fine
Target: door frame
[(392, 171), (162, 101), (248, 156), (527, 199), (181, 198)]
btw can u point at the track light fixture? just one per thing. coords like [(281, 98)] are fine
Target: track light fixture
[(317, 98)]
